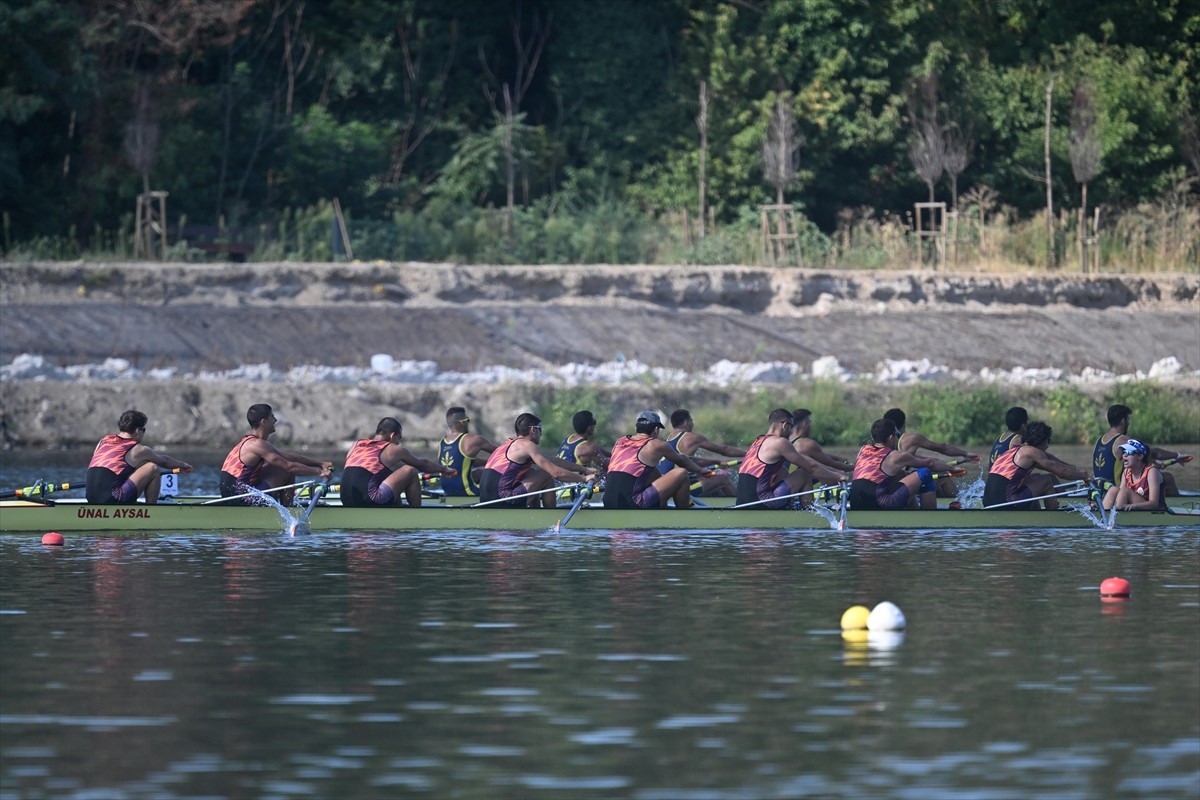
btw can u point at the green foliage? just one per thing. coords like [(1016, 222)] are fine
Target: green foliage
[(956, 415), (837, 419), (1071, 414), (557, 407), (385, 113), (1159, 416)]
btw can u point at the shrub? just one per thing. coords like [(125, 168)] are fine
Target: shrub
[(1159, 416), (1071, 414), (957, 415)]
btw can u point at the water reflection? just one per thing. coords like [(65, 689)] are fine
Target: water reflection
[(618, 664)]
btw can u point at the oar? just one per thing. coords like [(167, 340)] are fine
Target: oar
[(305, 492), (1071, 493), (254, 493), (40, 488), (781, 497), (526, 494), (845, 490), (302, 523), (1177, 460), (583, 495), (954, 473)]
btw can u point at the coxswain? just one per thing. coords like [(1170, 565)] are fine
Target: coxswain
[(1141, 481), (1107, 462)]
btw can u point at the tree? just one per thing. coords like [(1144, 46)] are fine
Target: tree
[(781, 147), (1049, 176), (528, 49), (1085, 154), (702, 124), (926, 147), (958, 146), (1189, 130)]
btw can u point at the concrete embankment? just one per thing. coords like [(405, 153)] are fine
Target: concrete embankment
[(196, 317)]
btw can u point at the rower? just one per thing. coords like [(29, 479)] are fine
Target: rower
[(578, 447), (881, 478), (912, 441), (634, 480), (255, 463), (460, 451), (1107, 461), (684, 439), (122, 468), (381, 470), (1015, 420), (519, 470), (1011, 478), (762, 474), (804, 443)]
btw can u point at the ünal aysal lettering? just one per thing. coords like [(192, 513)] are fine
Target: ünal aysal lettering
[(112, 512)]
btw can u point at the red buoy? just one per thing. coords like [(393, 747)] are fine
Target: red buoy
[(1114, 587), (53, 539)]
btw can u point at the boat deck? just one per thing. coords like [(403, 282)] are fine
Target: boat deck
[(24, 516)]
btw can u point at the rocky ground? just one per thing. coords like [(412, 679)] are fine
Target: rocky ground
[(218, 316)]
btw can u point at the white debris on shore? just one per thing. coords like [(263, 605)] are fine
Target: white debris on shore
[(385, 369)]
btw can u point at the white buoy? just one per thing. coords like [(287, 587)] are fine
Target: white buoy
[(886, 617), (382, 362)]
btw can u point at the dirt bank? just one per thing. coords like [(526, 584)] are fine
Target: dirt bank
[(212, 317), (208, 316)]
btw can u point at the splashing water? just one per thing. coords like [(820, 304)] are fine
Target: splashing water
[(971, 495), (286, 519), (1096, 517), (824, 512)]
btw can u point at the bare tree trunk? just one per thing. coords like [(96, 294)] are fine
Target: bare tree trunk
[(702, 123), (1083, 235), (1049, 181), (509, 157)]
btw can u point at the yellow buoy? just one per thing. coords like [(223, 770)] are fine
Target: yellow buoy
[(855, 618)]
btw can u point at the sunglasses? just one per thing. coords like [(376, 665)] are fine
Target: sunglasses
[(537, 428), (465, 419)]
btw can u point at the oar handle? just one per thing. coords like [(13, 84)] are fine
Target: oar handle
[(954, 473), (1183, 458), (41, 488)]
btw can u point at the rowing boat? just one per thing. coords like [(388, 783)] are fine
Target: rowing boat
[(1189, 502), (27, 517)]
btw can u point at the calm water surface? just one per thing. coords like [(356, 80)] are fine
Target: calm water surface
[(598, 665)]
